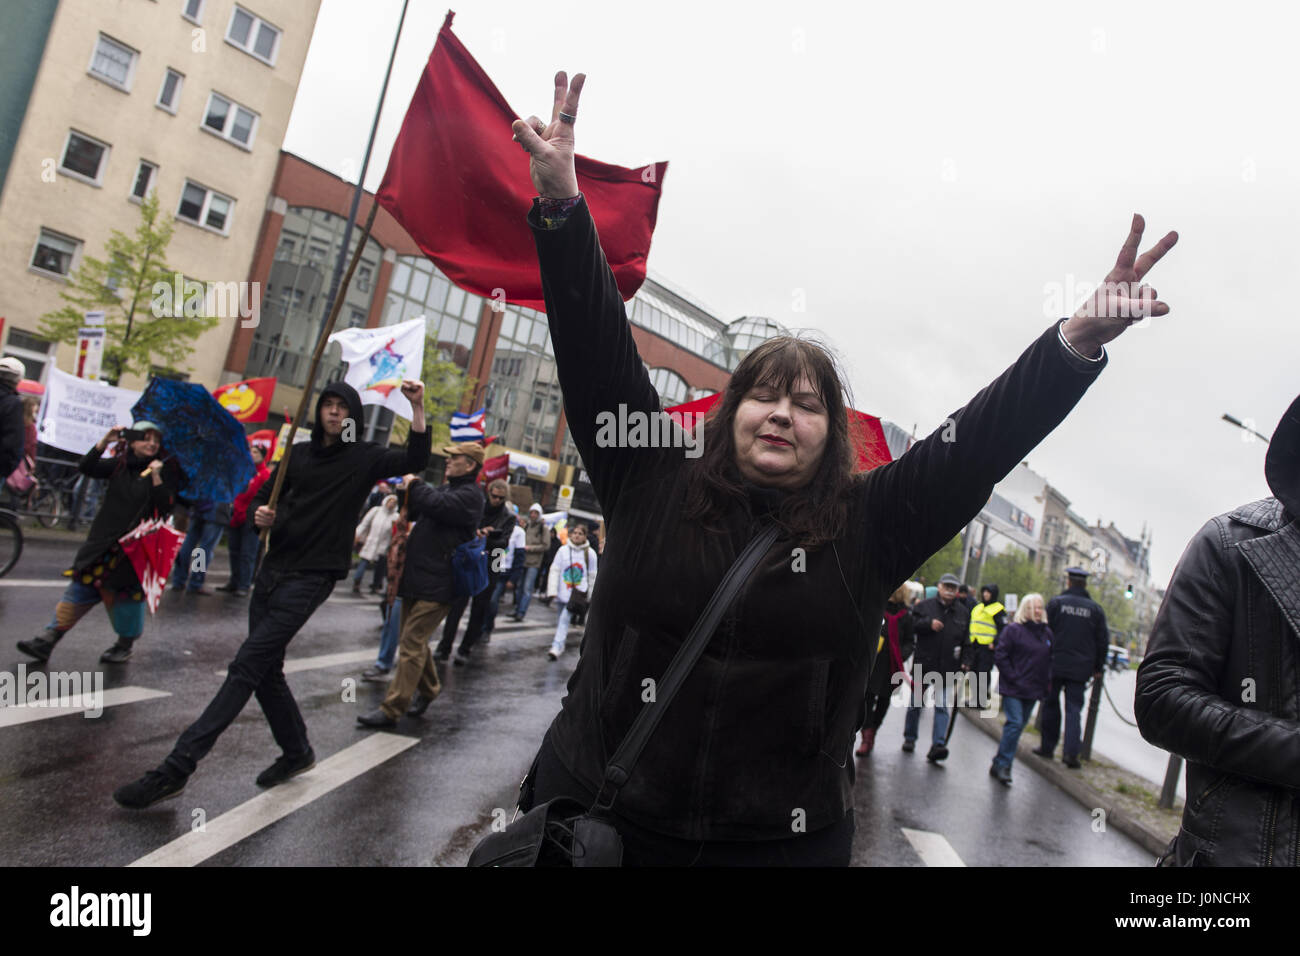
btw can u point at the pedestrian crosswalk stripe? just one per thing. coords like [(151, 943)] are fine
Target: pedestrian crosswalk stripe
[(260, 812), (292, 666), (32, 583), (76, 704), (933, 848)]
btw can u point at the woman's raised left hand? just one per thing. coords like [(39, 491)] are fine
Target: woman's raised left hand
[(1122, 299)]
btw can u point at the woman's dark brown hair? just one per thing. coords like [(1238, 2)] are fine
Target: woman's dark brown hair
[(814, 514)]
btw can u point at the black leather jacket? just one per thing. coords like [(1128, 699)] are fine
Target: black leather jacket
[(1220, 684)]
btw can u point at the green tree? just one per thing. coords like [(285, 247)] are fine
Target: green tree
[(140, 333), (1014, 573), (1108, 591), (946, 561), (445, 384)]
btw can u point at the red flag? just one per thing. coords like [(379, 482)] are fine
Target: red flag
[(495, 468), (459, 184), (247, 401), (865, 431)]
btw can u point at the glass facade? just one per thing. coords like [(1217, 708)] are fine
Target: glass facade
[(294, 302)]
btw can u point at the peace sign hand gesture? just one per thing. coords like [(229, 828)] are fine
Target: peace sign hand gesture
[(1122, 298), (550, 147)]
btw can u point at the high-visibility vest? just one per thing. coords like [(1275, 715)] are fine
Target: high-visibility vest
[(982, 628)]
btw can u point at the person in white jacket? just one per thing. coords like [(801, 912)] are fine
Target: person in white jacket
[(373, 536), (572, 572)]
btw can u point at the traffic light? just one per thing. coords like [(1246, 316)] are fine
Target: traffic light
[(1128, 592)]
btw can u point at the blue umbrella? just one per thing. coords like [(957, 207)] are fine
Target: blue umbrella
[(207, 442)]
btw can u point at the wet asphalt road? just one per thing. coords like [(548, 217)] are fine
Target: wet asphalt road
[(418, 795)]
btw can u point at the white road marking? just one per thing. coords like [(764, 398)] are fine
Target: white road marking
[(933, 848), (31, 583), (278, 802), (74, 704), (297, 664)]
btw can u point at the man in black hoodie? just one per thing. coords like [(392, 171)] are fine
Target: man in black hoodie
[(310, 550)]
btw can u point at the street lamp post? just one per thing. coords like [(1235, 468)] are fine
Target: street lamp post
[(1244, 427)]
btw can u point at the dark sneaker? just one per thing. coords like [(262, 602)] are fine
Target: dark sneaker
[(375, 675), (908, 745), (376, 718), (1001, 774), (1045, 754), (40, 647), (441, 656), (419, 704), (286, 767), (937, 752), (148, 790), (240, 592), (461, 659), (228, 587), (117, 654), (1071, 762)]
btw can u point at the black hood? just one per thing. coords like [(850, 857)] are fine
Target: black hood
[(992, 589), (1282, 464), (349, 394)]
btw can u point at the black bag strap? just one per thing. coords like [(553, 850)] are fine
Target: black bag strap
[(629, 749)]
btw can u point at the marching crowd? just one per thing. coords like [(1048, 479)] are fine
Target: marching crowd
[(955, 640)]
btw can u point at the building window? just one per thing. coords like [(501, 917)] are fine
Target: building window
[(113, 62), (55, 253), (203, 207), (145, 175), (84, 158), (253, 35), (170, 93), (363, 278), (34, 352), (193, 11), (230, 121)]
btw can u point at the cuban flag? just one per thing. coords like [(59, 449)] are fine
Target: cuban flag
[(468, 427)]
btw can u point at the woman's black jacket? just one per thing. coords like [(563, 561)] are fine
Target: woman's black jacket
[(762, 731)]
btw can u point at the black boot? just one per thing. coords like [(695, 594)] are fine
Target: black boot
[(42, 645)]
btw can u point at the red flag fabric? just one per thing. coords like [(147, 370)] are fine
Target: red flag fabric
[(495, 468), (249, 400), (865, 431), (459, 184)]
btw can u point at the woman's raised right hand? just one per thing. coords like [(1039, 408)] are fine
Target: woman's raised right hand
[(550, 147)]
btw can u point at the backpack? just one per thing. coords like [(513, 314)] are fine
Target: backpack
[(469, 567)]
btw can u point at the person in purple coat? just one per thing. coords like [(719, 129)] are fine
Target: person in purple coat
[(1023, 655)]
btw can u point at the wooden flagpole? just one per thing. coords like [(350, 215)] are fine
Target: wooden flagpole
[(283, 467)]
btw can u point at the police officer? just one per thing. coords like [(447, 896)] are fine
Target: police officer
[(986, 622), (1078, 650)]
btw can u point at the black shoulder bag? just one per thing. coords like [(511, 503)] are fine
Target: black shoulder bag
[(562, 832)]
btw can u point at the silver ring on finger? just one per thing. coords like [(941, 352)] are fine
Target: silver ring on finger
[(569, 118)]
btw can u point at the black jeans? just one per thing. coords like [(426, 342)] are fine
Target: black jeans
[(478, 612), (281, 604), (829, 846), (1051, 716)]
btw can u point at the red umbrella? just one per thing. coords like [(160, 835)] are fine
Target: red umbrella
[(152, 547), (865, 431)]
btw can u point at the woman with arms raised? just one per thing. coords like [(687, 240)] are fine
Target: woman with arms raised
[(752, 762)]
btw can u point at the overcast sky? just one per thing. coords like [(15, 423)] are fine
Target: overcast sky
[(932, 180)]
